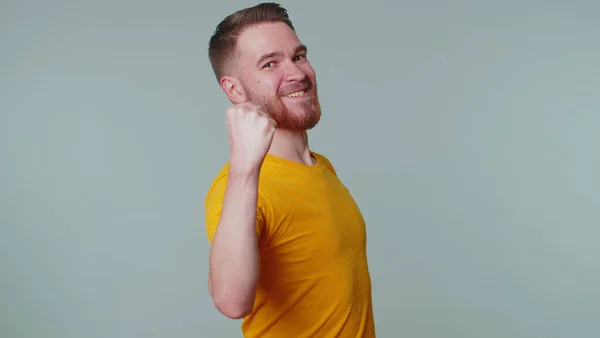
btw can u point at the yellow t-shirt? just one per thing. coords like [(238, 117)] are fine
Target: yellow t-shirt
[(314, 279)]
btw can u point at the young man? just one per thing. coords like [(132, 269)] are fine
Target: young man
[(288, 242)]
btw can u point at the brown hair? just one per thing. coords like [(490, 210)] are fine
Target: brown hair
[(222, 45)]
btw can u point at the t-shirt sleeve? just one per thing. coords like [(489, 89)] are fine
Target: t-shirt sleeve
[(214, 206)]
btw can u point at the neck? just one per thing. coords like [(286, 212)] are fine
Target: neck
[(291, 146)]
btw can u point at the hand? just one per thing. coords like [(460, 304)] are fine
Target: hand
[(250, 133)]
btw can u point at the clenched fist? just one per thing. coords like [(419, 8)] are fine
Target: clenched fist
[(250, 133)]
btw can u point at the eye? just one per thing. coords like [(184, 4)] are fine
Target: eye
[(300, 57), (270, 64)]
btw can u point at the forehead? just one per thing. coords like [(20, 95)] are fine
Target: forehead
[(266, 38)]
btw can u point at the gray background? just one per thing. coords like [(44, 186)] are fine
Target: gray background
[(467, 131)]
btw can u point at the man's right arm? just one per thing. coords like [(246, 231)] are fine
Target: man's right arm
[(233, 260)]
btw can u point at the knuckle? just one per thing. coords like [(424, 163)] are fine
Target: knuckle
[(232, 110)]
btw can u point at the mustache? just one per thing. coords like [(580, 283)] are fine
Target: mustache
[(296, 86)]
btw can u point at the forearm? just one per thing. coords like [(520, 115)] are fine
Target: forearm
[(234, 261)]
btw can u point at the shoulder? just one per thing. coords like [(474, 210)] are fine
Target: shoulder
[(216, 192), (217, 186), (325, 161)]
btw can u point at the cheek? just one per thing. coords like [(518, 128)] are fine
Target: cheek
[(266, 85), (309, 71)]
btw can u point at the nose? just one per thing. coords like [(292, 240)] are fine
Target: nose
[(294, 73)]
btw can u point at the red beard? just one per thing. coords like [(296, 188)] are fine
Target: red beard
[(304, 117)]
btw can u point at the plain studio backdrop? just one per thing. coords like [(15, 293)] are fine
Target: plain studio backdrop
[(468, 132)]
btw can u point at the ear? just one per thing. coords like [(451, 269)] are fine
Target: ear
[(233, 89)]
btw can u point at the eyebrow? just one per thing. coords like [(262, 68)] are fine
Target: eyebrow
[(300, 48)]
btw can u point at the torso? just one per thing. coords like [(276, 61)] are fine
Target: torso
[(314, 276)]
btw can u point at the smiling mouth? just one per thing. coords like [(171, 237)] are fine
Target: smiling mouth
[(296, 94)]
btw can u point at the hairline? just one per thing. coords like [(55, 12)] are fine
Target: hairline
[(232, 64)]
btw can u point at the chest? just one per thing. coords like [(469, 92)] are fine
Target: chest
[(315, 219)]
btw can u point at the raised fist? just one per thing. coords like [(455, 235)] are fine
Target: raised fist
[(250, 132)]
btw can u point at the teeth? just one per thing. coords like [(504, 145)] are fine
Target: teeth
[(295, 94)]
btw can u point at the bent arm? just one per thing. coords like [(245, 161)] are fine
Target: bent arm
[(233, 260)]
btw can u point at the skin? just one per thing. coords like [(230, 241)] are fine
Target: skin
[(271, 64), (267, 82)]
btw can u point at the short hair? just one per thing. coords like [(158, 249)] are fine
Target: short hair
[(223, 43)]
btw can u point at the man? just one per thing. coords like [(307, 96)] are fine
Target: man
[(288, 243)]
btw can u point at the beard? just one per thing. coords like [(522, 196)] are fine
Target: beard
[(304, 116)]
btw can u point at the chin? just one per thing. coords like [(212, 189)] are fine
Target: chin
[(299, 108)]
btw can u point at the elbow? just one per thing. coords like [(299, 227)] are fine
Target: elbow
[(233, 310), (233, 305)]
